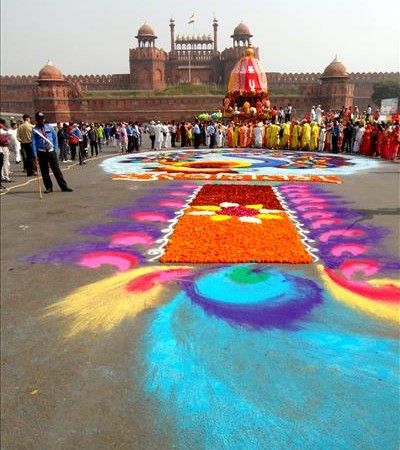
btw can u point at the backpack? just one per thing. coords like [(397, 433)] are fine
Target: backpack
[(4, 140)]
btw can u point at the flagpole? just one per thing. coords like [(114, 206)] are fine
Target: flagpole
[(190, 75), (190, 49), (192, 44)]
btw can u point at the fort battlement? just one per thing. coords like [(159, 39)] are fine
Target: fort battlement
[(194, 60)]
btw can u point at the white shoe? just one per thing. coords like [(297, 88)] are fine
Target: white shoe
[(65, 161)]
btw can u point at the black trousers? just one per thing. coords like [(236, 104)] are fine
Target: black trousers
[(135, 143), (335, 148), (152, 139), (94, 148), (27, 157), (212, 140), (72, 147), (346, 144), (82, 151), (173, 139), (47, 159), (1, 164), (130, 144), (197, 140)]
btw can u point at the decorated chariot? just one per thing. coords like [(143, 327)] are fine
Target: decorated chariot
[(247, 96)]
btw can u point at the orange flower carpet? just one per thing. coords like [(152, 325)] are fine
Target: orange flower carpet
[(233, 224)]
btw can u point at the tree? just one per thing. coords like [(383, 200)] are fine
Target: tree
[(385, 89)]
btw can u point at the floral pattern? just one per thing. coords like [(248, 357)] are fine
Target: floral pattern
[(235, 223)]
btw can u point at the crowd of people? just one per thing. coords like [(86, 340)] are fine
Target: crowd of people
[(344, 131)]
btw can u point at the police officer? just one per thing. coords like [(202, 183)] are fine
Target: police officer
[(44, 150)]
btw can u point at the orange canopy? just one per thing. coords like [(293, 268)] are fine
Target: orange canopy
[(247, 77)]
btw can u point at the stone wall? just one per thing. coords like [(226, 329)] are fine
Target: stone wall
[(363, 83), (144, 109), (16, 93), (17, 96)]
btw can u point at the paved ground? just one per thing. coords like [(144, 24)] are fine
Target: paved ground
[(96, 373)]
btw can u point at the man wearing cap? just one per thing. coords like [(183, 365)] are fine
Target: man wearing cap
[(44, 145)]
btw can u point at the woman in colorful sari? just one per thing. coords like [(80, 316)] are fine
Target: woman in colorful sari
[(189, 134), (328, 137), (229, 135), (314, 136), (365, 146), (275, 128), (285, 132), (305, 136), (380, 139), (268, 135), (242, 135), (393, 140), (235, 136), (250, 129), (294, 137)]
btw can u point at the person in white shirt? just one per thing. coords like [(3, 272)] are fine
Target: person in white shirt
[(321, 138), (158, 135), (258, 135), (166, 136), (122, 138), (220, 135), (15, 145), (318, 114), (368, 113), (313, 115), (4, 151), (358, 139)]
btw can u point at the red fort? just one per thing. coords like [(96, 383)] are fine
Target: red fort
[(139, 95)]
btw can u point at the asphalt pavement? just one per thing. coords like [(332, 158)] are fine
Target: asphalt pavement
[(85, 391)]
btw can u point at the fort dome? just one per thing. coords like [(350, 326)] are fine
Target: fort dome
[(335, 69), (49, 72), (241, 30), (146, 31)]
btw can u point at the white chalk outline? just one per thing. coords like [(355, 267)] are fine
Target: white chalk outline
[(157, 252), (300, 227)]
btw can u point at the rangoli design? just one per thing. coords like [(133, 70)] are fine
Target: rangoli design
[(240, 164), (235, 223)]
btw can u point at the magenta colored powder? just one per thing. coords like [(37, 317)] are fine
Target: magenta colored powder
[(238, 211)]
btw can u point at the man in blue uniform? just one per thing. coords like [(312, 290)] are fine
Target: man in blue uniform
[(44, 149)]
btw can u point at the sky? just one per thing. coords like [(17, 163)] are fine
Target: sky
[(94, 36)]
